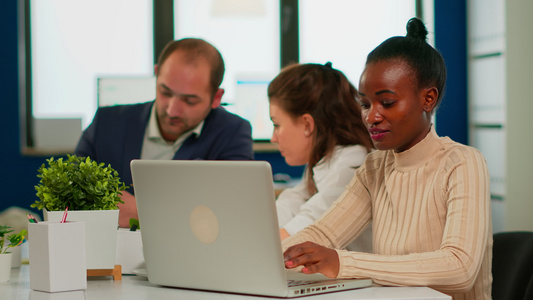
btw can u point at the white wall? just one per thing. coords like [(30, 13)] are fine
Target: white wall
[(519, 69)]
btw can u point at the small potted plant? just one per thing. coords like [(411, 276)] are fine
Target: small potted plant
[(91, 192), (6, 242)]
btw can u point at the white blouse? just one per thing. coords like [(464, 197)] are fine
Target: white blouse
[(297, 208)]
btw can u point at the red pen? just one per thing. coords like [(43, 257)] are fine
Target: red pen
[(64, 218)]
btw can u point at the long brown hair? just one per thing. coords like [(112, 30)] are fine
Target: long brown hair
[(327, 95)]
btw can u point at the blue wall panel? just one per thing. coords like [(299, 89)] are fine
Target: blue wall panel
[(451, 41), (18, 173)]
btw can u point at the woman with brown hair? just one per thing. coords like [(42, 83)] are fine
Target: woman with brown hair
[(317, 123)]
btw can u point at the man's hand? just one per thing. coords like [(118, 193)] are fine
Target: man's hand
[(128, 210), (314, 258)]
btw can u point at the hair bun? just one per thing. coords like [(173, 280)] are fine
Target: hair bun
[(416, 29)]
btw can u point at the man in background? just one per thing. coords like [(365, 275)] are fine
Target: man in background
[(184, 122)]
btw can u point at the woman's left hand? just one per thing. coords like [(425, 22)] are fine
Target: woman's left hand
[(314, 258)]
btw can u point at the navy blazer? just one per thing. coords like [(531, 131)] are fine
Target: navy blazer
[(116, 135)]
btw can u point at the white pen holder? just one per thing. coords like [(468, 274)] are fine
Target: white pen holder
[(57, 256)]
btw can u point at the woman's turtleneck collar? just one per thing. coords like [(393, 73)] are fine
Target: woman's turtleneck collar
[(419, 154)]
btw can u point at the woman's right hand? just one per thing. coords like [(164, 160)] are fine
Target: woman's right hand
[(314, 258)]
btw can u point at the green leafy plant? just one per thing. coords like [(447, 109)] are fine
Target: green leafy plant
[(78, 183), (14, 239)]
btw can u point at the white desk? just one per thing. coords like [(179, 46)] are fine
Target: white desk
[(133, 287)]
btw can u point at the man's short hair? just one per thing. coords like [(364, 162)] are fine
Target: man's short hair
[(194, 49)]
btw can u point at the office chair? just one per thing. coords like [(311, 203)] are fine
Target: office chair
[(512, 265)]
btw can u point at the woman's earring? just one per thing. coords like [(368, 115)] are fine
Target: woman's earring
[(306, 133)]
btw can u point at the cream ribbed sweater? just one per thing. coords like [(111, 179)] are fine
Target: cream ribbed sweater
[(430, 208)]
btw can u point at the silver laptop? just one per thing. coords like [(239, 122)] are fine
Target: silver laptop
[(212, 225)]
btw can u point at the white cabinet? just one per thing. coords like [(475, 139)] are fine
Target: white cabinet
[(500, 79)]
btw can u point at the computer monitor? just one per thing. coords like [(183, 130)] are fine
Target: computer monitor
[(124, 90)]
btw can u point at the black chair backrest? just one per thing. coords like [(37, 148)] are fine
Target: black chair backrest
[(512, 266)]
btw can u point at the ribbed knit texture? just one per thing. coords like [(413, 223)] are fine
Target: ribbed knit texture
[(430, 208)]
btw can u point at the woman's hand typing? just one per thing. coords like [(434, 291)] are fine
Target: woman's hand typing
[(314, 259)]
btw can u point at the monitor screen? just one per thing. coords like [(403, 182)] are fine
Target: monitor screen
[(125, 90)]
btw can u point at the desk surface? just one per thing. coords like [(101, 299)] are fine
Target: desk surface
[(134, 287)]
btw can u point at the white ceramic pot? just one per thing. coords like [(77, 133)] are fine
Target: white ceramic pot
[(101, 227), (17, 256), (129, 250), (5, 266)]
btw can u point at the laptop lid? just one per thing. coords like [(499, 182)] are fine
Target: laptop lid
[(210, 225)]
